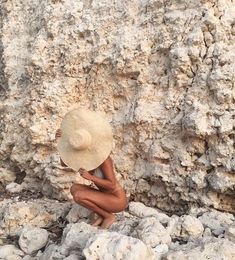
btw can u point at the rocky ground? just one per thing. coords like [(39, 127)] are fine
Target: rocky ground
[(44, 229)]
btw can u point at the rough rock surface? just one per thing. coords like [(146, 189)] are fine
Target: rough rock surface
[(213, 250), (152, 232), (130, 237), (32, 239), (115, 246), (10, 251), (192, 226), (163, 73), (230, 232), (39, 213)]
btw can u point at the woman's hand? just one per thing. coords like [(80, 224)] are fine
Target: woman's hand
[(58, 133), (85, 174)]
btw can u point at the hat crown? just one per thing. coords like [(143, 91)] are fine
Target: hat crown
[(80, 139), (86, 139)]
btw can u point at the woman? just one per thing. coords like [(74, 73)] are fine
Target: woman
[(108, 198)]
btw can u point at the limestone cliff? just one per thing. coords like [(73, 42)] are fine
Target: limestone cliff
[(162, 71)]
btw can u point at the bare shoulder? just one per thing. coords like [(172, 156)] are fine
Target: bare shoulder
[(108, 161), (107, 169), (107, 166)]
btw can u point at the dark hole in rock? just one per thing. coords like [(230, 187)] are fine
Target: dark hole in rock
[(180, 241), (210, 170), (20, 176), (200, 214), (164, 225)]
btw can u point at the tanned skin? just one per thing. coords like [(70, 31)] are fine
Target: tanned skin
[(108, 198)]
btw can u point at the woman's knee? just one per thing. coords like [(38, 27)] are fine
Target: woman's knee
[(79, 195), (73, 188), (76, 187)]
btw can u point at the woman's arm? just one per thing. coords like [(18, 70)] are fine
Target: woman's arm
[(109, 182)]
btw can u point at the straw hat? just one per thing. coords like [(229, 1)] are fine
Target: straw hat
[(86, 139)]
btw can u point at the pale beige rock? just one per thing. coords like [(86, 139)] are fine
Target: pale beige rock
[(221, 180), (218, 250), (140, 210), (196, 122), (152, 232), (6, 176), (74, 239), (207, 232), (38, 213), (28, 257), (77, 212), (198, 178), (192, 226), (77, 234), (160, 250), (184, 227), (145, 234), (81, 236), (51, 252), (32, 239), (230, 233), (116, 246), (14, 187), (59, 178), (174, 227), (125, 226), (10, 251), (216, 220), (143, 186), (13, 257)]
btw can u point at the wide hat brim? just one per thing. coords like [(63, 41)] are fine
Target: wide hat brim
[(100, 145)]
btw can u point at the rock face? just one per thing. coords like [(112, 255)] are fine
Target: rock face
[(116, 246), (222, 249), (32, 239), (136, 235), (163, 73), (10, 252), (39, 213), (152, 232)]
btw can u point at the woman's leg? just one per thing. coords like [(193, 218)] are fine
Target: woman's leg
[(104, 216), (100, 202), (97, 221)]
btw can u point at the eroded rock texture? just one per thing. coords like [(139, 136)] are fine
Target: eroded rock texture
[(162, 71), (140, 232)]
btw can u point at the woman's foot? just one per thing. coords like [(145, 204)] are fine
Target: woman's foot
[(107, 222), (97, 222)]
